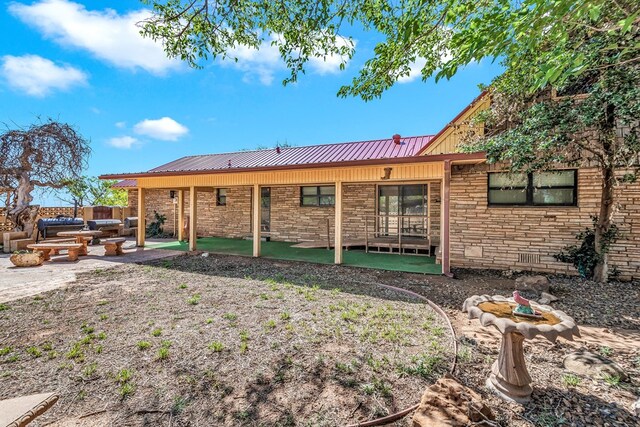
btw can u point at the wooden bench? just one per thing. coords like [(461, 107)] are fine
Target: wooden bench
[(113, 247), (46, 248)]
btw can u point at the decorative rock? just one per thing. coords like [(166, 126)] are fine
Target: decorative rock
[(547, 297), (449, 403), (583, 362), (29, 259), (533, 283), (205, 255)]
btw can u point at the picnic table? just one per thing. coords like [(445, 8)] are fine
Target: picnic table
[(80, 237)]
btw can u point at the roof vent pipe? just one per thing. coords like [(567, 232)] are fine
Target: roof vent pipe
[(396, 139), (278, 149)]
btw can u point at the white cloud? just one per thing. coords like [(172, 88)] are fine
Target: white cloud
[(415, 68), (121, 125), (263, 63), (38, 76), (108, 36), (165, 129), (125, 142)]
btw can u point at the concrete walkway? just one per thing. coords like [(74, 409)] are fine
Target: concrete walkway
[(16, 283)]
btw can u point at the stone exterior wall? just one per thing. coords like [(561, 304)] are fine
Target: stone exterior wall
[(495, 237), (290, 222)]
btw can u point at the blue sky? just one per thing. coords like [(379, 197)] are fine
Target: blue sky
[(83, 64)]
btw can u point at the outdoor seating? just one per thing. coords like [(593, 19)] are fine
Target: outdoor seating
[(113, 247), (46, 248), (15, 241)]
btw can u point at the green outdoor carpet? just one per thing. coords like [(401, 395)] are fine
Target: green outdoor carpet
[(284, 251)]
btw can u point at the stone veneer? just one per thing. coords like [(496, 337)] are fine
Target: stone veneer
[(494, 237), (290, 222)]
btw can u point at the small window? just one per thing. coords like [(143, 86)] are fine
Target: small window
[(553, 188), (318, 196), (221, 197)]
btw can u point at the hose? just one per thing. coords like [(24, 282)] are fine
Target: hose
[(404, 412)]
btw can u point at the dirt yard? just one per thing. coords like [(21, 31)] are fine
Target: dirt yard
[(237, 341)]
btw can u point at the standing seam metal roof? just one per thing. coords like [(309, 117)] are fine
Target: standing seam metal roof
[(291, 156)]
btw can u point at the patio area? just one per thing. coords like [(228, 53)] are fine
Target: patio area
[(287, 251)]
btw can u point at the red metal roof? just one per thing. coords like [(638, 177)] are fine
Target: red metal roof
[(292, 156), (126, 183)]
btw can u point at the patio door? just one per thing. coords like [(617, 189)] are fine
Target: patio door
[(402, 209), (265, 205)]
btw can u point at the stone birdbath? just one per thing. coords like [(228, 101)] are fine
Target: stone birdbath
[(509, 375)]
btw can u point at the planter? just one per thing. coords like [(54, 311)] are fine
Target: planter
[(31, 259)]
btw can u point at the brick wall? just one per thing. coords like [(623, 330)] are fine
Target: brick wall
[(493, 237)]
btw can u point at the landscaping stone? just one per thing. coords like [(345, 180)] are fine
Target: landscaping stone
[(533, 283), (584, 362), (546, 298), (449, 403)]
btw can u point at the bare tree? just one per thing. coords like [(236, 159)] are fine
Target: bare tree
[(47, 155)]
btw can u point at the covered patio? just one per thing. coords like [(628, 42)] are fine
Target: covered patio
[(288, 251)]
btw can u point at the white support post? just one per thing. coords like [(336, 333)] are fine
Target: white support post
[(193, 218), (337, 241), (142, 224), (256, 221)]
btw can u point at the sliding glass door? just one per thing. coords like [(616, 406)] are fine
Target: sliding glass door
[(402, 209)]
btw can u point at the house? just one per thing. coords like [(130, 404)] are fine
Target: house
[(414, 195)]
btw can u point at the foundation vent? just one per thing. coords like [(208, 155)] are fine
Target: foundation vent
[(527, 258)]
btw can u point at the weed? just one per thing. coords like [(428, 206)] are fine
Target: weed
[(465, 355), (47, 346), (103, 302), (182, 286), (68, 366), (571, 380), (4, 307), (102, 336), (606, 351), (179, 403), (270, 324), (103, 317), (264, 296), (345, 368), (124, 375), (76, 352), (156, 332), (165, 343), (90, 369), (377, 386), (87, 329), (163, 353), (208, 321), (232, 317), (13, 358), (424, 365), (143, 345), (52, 354), (285, 315), (34, 351), (611, 380), (5, 350), (216, 346), (244, 347), (194, 299), (98, 349), (126, 389), (244, 335)]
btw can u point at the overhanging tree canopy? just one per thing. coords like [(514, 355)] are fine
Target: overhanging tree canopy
[(443, 34)]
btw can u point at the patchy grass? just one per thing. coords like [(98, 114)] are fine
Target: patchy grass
[(277, 351)]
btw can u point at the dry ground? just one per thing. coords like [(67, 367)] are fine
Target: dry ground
[(300, 344)]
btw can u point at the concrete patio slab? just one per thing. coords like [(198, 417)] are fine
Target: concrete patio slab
[(16, 283)]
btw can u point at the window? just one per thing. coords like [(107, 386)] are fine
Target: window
[(402, 199), (553, 188), (318, 196), (221, 197)]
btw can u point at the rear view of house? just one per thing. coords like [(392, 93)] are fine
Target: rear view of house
[(403, 195)]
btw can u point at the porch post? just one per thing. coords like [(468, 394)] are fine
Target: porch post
[(193, 218), (180, 215), (337, 240), (256, 220), (446, 190), (142, 223)]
